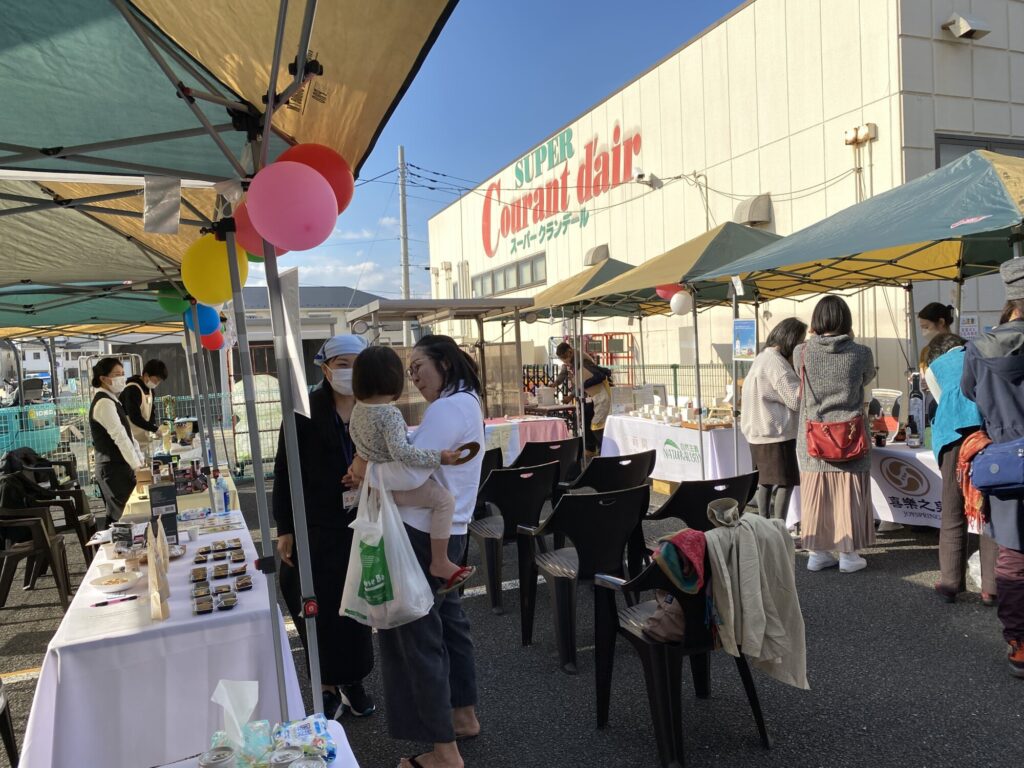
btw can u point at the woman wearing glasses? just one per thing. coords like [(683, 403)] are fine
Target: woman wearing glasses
[(427, 665), (345, 646)]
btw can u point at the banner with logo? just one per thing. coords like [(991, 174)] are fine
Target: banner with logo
[(906, 486)]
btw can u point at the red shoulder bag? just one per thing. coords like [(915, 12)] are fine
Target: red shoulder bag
[(835, 441)]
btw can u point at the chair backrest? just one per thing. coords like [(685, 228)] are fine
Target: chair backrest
[(492, 460), (519, 493), (599, 525), (698, 632), (566, 452), (615, 473), (690, 500)]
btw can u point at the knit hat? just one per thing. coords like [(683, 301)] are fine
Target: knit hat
[(1013, 278), (342, 344)]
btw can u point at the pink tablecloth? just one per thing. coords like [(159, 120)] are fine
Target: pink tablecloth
[(512, 434)]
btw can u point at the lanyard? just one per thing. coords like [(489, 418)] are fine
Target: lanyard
[(346, 441)]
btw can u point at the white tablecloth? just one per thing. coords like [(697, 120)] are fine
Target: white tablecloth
[(345, 758), (906, 485), (678, 457), (117, 689)]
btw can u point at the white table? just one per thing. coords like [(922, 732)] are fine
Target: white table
[(513, 433), (678, 451), (119, 689), (344, 759)]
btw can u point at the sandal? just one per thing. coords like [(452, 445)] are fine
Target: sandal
[(414, 761), (457, 579)]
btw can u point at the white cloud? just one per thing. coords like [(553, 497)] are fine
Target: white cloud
[(357, 272), (390, 222)]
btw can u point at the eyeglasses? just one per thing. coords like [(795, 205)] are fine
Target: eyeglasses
[(413, 370)]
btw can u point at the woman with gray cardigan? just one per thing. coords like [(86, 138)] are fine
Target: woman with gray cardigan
[(837, 513)]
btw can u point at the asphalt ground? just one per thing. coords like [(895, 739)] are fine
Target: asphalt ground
[(897, 679)]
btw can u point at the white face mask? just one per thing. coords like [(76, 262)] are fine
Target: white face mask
[(152, 384), (341, 380), (117, 384)]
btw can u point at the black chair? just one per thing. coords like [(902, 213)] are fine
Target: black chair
[(689, 502), (568, 453), (599, 526), (7, 729), (29, 534), (512, 497), (662, 662), (611, 473), (492, 460)]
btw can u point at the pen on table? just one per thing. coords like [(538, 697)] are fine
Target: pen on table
[(115, 601)]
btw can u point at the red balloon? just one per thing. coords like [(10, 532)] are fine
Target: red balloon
[(212, 341), (668, 290), (247, 236), (328, 164)]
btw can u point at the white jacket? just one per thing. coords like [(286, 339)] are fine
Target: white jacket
[(771, 399)]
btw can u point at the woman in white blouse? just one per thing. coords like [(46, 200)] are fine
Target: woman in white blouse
[(116, 452)]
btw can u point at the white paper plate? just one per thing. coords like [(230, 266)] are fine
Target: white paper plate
[(116, 582)]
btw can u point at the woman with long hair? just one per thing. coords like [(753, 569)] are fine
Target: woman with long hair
[(769, 418)]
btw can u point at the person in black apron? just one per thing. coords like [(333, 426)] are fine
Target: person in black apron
[(137, 399), (116, 453)]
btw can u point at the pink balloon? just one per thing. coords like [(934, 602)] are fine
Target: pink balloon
[(248, 237), (667, 291), (292, 206)]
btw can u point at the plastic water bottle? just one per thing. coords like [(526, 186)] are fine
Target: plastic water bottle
[(222, 489)]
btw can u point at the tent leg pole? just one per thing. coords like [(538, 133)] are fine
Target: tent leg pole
[(519, 363), (912, 327), (255, 452), (501, 370), (735, 389), (958, 300), (483, 366), (643, 353), (54, 376), (581, 396), (700, 399)]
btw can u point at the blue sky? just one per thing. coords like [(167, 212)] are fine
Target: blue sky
[(501, 77)]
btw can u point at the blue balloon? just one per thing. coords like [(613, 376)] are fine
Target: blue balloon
[(209, 319)]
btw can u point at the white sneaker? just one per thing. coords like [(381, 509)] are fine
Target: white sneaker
[(818, 561), (851, 562), (887, 526)]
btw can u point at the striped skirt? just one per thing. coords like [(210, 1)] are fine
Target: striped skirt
[(836, 511)]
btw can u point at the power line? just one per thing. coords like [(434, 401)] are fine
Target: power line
[(375, 178)]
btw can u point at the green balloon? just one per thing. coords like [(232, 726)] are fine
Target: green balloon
[(171, 302), (254, 259)]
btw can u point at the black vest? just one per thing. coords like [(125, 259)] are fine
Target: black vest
[(103, 444)]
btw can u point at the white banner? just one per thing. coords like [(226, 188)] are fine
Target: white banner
[(906, 486)]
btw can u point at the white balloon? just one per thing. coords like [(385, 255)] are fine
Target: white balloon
[(681, 303)]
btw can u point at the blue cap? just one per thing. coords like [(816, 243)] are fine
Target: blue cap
[(342, 344)]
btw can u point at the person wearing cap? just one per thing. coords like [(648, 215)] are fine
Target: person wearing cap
[(993, 377), (326, 451)]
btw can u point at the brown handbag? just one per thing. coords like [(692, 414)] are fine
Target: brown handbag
[(835, 441)]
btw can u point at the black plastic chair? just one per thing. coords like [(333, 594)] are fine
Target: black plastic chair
[(7, 729), (568, 453), (611, 473), (689, 502), (599, 526), (511, 497), (662, 662), (492, 460), (28, 534)]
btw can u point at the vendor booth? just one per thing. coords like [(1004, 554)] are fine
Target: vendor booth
[(135, 140)]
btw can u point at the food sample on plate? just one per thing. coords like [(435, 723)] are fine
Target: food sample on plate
[(113, 580), (243, 583)]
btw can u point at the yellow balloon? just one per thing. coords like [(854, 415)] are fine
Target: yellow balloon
[(205, 273)]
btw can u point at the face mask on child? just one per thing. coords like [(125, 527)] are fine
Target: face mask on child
[(341, 380)]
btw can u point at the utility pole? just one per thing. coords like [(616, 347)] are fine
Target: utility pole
[(404, 237)]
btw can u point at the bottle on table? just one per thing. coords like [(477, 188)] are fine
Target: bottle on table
[(915, 412)]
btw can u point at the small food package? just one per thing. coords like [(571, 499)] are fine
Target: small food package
[(310, 734)]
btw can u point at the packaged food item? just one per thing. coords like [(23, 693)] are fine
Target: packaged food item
[(234, 543), (220, 555), (239, 570), (220, 571), (284, 756), (201, 589), (200, 559), (310, 733), (198, 574), (238, 556), (202, 605), (219, 546), (243, 583), (204, 550), (226, 602)]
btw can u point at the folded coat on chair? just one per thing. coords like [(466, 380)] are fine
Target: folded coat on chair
[(754, 590)]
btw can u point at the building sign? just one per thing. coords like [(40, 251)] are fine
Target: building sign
[(552, 186), (968, 327)]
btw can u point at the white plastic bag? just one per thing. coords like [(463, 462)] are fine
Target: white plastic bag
[(385, 586), (974, 569)]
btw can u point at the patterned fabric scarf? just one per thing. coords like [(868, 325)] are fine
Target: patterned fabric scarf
[(974, 500)]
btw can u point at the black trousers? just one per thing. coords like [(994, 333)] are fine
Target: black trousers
[(116, 481), (345, 646)]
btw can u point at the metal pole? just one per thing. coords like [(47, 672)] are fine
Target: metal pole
[(501, 369), (735, 389), (519, 361), (912, 326), (581, 396), (214, 408), (256, 453), (757, 326), (957, 302), (197, 394), (700, 399), (643, 355), (404, 237), (54, 377), (483, 365)]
